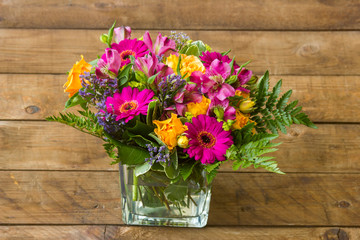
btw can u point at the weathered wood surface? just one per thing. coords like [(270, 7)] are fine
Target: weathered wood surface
[(324, 98), (52, 146), (113, 232), (227, 14), (283, 53), (52, 197)]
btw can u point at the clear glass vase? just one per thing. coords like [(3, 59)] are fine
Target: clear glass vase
[(152, 199)]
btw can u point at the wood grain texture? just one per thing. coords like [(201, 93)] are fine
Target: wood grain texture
[(152, 14), (113, 232), (324, 98), (43, 197), (282, 53), (52, 146)]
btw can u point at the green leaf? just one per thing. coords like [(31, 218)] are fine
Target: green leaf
[(226, 53), (170, 171), (142, 169), (125, 72), (176, 192), (110, 34), (236, 165), (174, 159), (178, 67), (232, 79), (141, 77), (283, 100), (140, 140), (158, 140), (152, 78), (141, 128), (211, 175), (211, 167), (129, 155), (74, 100), (171, 168), (186, 169), (157, 167), (193, 50), (200, 45), (150, 112), (244, 65), (232, 65)]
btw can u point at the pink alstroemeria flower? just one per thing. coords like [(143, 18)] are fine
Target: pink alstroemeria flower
[(229, 111), (108, 64), (190, 93), (150, 66), (122, 33), (163, 45), (213, 81), (208, 57), (243, 76)]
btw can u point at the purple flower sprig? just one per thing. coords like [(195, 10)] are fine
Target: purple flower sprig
[(96, 91), (180, 38), (168, 87), (157, 154)]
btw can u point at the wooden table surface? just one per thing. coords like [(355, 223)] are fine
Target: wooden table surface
[(56, 183)]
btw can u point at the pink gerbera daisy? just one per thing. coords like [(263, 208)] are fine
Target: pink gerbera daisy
[(208, 140), (129, 47), (129, 103)]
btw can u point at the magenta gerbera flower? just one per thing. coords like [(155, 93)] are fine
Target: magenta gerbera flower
[(208, 140), (129, 103), (129, 47)]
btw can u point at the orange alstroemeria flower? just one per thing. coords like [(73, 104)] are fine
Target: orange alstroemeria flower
[(73, 83), (169, 130)]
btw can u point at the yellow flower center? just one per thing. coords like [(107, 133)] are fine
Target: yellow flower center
[(206, 139), (125, 54), (128, 106)]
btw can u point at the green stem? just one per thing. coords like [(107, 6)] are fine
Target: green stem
[(189, 197), (162, 198), (135, 189)]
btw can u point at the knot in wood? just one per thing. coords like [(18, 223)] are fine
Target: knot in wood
[(343, 204), (32, 109), (308, 49), (335, 234), (102, 5)]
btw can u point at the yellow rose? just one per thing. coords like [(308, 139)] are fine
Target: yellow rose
[(188, 65), (73, 83), (197, 109), (169, 130)]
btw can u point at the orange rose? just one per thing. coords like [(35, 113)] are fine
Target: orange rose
[(73, 83), (241, 120), (197, 109), (169, 130)]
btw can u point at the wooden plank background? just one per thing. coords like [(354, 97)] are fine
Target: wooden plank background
[(56, 183)]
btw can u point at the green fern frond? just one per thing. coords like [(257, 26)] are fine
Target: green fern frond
[(87, 124), (272, 111)]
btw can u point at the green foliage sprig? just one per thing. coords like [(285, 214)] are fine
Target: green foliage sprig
[(272, 111), (86, 123)]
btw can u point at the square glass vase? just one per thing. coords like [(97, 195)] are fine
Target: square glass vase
[(152, 199)]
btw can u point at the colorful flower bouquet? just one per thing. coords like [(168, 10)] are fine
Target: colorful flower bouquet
[(171, 111)]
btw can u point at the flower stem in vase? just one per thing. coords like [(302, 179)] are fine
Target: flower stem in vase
[(135, 187)]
